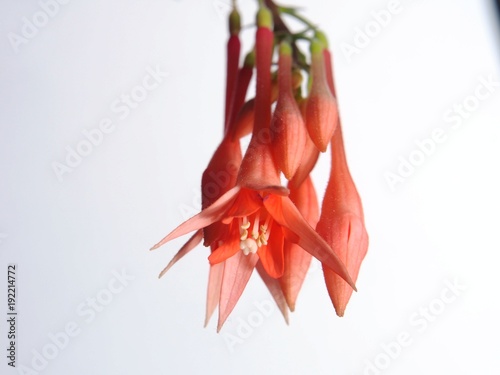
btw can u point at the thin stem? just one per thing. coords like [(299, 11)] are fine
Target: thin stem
[(292, 12), (280, 27)]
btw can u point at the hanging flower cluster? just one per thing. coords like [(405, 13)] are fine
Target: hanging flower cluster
[(249, 219)]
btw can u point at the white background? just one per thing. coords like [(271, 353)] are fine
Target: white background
[(68, 237)]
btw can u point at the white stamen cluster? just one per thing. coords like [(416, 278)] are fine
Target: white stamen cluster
[(259, 238)]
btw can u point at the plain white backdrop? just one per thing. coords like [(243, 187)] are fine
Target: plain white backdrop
[(428, 289)]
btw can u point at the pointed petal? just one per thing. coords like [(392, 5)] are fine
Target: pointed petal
[(237, 272), (206, 217), (275, 290), (230, 246), (188, 246), (245, 204), (285, 213), (297, 260), (297, 263), (213, 290), (271, 255), (350, 241)]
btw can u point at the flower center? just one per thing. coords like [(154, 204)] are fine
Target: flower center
[(260, 234)]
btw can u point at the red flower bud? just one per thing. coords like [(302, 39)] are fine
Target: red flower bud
[(258, 170), (309, 157), (342, 225), (288, 131), (322, 114)]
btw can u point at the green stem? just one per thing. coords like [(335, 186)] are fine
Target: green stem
[(280, 27), (292, 12)]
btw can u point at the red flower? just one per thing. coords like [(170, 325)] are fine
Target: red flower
[(288, 130), (322, 114), (342, 219), (248, 219), (255, 217), (342, 225)]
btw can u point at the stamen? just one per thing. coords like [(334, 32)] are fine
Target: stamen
[(255, 231), (267, 233), (249, 246), (266, 224), (244, 225), (260, 234)]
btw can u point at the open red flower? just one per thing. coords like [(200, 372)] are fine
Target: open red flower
[(249, 220), (256, 216)]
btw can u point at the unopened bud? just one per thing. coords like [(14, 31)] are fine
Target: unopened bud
[(250, 59), (265, 17), (234, 22), (288, 131), (322, 114), (321, 36)]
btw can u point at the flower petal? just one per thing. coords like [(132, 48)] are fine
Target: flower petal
[(237, 272), (206, 217), (245, 204), (230, 246), (213, 290), (188, 246), (275, 289), (297, 263), (271, 255), (285, 213), (350, 241), (297, 260)]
